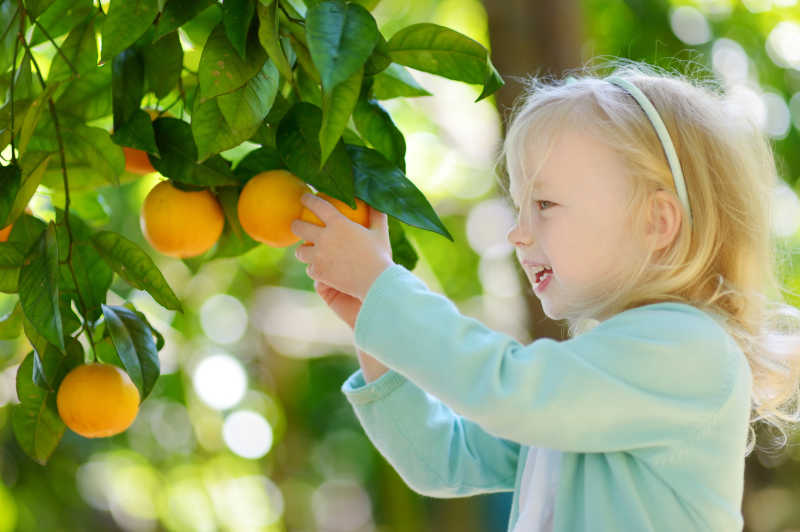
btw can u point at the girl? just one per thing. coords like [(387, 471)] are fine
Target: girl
[(644, 221)]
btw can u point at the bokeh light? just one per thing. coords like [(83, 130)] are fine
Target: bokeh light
[(247, 434), (488, 224), (729, 60), (785, 211), (783, 44), (220, 381), (690, 25), (224, 318), (341, 505)]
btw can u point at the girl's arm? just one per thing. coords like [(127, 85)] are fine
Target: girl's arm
[(648, 377), (436, 452)]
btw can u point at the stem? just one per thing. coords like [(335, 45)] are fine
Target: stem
[(14, 75), (86, 328), (58, 49)]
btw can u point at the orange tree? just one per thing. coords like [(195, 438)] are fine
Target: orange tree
[(302, 81)]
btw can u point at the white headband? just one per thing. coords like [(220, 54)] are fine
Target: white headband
[(661, 131)]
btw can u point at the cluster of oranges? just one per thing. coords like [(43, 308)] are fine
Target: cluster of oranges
[(182, 223), (98, 400)]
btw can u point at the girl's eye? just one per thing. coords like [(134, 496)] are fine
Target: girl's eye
[(544, 204)]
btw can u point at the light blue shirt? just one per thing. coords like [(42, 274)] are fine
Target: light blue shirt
[(650, 409)]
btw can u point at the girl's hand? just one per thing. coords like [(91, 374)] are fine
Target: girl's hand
[(345, 306), (345, 255)]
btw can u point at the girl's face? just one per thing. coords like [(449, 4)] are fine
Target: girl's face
[(575, 222)]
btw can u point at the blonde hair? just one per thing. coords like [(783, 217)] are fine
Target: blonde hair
[(725, 262)]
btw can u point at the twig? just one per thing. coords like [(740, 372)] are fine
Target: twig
[(14, 75), (58, 49), (86, 328)]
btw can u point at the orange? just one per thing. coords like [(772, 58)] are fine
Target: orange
[(181, 223), (359, 215), (97, 400), (268, 204), (136, 161)]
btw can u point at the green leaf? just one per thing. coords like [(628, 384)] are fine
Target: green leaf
[(444, 52), (379, 59), (236, 17), (37, 7), (10, 183), (135, 266), (221, 70), (377, 127), (38, 341), (298, 144), (127, 85), (61, 17), (91, 271), (403, 252), (384, 186), (257, 161), (11, 324), (80, 48), (163, 61), (229, 119), (9, 18), (27, 230), (269, 37), (308, 89), (87, 97), (69, 319), (176, 13), (32, 116), (35, 420), (396, 82), (126, 21), (32, 172), (51, 366), (11, 258), (38, 287), (135, 346), (179, 155), (265, 135), (233, 241), (340, 38), (92, 158), (137, 133), (337, 106)]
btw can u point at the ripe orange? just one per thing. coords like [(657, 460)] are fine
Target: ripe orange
[(268, 204), (136, 161), (359, 215), (97, 400), (181, 223)]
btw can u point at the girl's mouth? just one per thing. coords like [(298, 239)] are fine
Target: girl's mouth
[(542, 278)]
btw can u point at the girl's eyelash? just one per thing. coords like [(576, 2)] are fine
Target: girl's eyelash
[(539, 202)]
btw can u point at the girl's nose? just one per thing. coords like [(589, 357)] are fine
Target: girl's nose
[(517, 237)]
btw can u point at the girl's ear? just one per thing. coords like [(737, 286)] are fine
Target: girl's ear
[(664, 219)]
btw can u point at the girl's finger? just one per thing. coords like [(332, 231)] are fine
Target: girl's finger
[(305, 230), (303, 253), (378, 221), (323, 209)]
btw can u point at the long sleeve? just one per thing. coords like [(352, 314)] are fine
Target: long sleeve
[(436, 452), (648, 377)]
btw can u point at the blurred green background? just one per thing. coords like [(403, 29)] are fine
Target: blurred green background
[(247, 428)]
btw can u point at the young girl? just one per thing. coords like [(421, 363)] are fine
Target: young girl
[(644, 221)]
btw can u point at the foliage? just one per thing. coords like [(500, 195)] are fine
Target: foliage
[(302, 84)]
